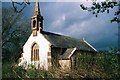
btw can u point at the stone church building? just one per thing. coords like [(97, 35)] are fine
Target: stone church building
[(45, 49)]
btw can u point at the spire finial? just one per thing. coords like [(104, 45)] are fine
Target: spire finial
[(37, 10)]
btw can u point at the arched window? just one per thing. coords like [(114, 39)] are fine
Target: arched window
[(34, 24), (35, 52)]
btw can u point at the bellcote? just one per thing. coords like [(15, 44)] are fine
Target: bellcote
[(37, 20)]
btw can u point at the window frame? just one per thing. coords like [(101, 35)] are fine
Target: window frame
[(35, 52)]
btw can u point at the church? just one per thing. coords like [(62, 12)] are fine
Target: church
[(45, 49)]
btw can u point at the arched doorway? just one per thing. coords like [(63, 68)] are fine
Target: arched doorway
[(35, 52)]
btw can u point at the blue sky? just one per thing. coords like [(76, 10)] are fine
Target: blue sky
[(67, 18)]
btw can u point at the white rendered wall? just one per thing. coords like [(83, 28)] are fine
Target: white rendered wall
[(43, 50)]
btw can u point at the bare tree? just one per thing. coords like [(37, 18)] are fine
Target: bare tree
[(14, 26), (23, 4)]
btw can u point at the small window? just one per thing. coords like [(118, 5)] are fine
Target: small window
[(34, 24)]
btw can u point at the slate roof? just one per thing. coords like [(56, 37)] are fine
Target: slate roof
[(68, 53), (67, 42)]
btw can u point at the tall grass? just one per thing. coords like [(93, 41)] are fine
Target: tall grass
[(88, 66)]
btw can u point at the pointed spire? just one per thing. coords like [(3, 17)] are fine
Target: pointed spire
[(37, 9), (37, 20)]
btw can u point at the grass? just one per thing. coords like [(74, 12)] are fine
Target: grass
[(99, 66)]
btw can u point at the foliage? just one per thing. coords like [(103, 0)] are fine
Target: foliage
[(109, 63), (85, 61), (101, 65), (114, 50), (105, 65), (37, 73), (101, 7), (13, 28), (11, 70)]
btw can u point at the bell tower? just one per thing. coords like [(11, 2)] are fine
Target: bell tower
[(37, 20)]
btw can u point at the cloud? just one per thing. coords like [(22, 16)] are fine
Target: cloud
[(59, 22), (69, 19), (66, 18)]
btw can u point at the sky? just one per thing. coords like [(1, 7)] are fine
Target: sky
[(67, 18)]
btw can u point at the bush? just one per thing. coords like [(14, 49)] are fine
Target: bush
[(88, 66), (105, 65)]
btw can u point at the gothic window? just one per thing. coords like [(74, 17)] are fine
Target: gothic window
[(35, 52)]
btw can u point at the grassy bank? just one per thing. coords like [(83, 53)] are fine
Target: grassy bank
[(88, 66)]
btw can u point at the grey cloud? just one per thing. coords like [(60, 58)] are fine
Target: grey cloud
[(73, 21), (98, 31)]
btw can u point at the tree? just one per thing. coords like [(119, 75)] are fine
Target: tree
[(23, 4), (0, 34), (101, 7), (15, 30)]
